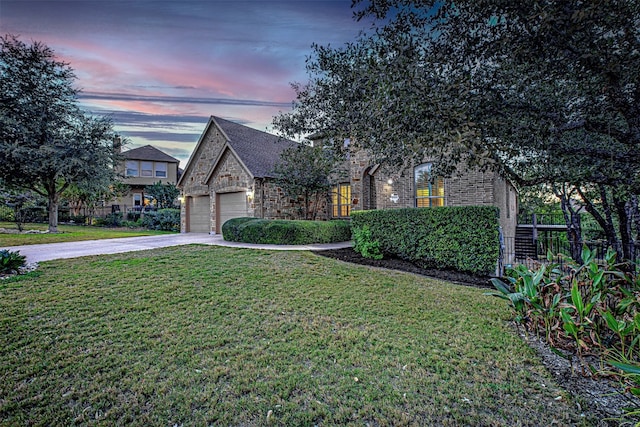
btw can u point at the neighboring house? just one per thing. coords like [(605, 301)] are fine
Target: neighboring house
[(229, 174), (144, 166)]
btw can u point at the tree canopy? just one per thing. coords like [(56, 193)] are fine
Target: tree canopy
[(47, 142), (306, 171), (541, 91)]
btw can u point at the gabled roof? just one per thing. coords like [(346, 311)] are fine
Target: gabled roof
[(259, 151), (149, 152)]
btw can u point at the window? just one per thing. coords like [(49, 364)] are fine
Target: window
[(146, 168), (132, 168), (137, 199), (341, 200), (429, 189), (161, 170)]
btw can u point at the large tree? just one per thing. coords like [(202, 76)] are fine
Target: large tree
[(542, 91), (46, 141)]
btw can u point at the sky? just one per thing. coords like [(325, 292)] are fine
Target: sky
[(160, 69)]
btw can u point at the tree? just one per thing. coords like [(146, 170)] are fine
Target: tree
[(46, 142), (165, 195), (544, 92), (306, 171)]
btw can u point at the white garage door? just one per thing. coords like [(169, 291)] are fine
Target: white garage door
[(230, 205), (199, 214)]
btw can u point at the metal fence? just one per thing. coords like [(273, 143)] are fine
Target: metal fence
[(512, 254)]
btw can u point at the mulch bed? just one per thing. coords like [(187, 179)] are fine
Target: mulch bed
[(349, 255)]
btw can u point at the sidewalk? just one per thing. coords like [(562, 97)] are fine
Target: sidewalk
[(50, 251)]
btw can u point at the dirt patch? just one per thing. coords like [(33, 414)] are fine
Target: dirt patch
[(598, 398)]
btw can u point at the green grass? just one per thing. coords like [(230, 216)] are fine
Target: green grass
[(67, 233), (220, 336)]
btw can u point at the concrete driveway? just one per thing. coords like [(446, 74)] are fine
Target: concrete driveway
[(50, 251)]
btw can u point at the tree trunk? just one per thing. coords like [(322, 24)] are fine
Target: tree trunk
[(574, 227), (624, 226), (53, 211)]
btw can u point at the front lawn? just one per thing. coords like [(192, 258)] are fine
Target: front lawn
[(67, 233), (220, 336)]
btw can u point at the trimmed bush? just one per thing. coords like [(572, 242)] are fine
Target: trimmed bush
[(162, 219), (459, 238), (285, 232)]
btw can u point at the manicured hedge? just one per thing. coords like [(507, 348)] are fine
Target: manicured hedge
[(285, 232), (459, 238)]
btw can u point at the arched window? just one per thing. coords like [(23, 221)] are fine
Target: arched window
[(429, 189)]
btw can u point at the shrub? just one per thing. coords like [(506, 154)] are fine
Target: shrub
[(285, 232), (11, 261), (590, 308), (162, 219), (111, 220), (365, 245), (459, 238)]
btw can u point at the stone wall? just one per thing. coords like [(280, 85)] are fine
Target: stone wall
[(376, 188)]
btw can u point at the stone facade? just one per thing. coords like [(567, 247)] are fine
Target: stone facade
[(217, 167), (374, 188)]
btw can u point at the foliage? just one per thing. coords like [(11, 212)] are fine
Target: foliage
[(542, 91), (46, 142), (165, 195), (306, 171), (305, 339), (365, 245), (285, 232), (112, 220), (587, 308), (459, 238), (11, 261), (20, 202), (162, 219)]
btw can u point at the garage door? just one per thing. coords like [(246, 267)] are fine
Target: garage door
[(230, 205), (199, 214)]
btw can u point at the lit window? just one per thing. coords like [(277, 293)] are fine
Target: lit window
[(429, 189), (132, 168), (146, 168), (161, 170), (341, 200)]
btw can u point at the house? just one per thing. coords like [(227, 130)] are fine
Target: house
[(229, 174), (144, 166)]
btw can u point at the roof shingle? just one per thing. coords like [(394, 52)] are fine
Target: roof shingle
[(259, 151), (149, 152)]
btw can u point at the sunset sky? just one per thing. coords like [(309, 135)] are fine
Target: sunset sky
[(161, 68)]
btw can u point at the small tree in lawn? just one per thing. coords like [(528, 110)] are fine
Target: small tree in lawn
[(46, 142), (18, 201), (305, 171), (165, 195)]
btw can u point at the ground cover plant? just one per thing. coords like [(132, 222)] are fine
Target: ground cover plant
[(223, 336), (66, 233), (589, 310)]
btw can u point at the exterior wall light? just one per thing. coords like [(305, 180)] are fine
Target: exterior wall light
[(181, 198), (390, 181), (250, 195)]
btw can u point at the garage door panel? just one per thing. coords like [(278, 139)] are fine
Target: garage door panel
[(231, 205), (200, 214)]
